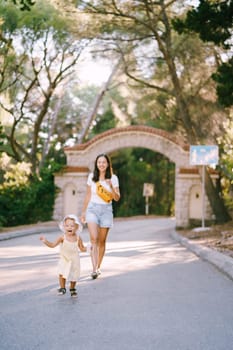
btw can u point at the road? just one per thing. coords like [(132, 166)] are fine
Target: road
[(153, 294)]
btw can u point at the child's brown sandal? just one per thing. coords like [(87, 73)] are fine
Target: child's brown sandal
[(73, 292), (61, 291)]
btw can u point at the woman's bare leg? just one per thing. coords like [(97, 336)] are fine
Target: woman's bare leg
[(93, 231), (102, 237)]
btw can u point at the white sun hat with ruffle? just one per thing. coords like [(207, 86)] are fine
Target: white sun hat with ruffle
[(76, 220)]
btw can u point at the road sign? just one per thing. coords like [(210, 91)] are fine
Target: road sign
[(148, 190), (204, 155)]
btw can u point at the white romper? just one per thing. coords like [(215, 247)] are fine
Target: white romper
[(69, 263)]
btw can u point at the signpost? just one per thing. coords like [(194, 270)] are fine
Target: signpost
[(148, 191), (203, 155)]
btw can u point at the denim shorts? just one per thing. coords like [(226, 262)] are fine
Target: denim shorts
[(101, 214)]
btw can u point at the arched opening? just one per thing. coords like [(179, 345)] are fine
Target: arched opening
[(136, 166)]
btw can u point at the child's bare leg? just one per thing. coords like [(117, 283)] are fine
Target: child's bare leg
[(73, 292), (72, 285), (62, 281)]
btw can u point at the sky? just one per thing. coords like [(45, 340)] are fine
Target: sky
[(94, 72)]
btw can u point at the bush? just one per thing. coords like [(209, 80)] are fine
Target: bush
[(30, 203)]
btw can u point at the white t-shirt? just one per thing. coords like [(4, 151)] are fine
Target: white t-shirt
[(94, 196)]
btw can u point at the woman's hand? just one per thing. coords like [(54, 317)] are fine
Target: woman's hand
[(109, 183), (83, 218), (115, 190)]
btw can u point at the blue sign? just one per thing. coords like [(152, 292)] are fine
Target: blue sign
[(204, 155)]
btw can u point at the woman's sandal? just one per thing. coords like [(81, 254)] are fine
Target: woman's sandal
[(73, 292), (94, 275)]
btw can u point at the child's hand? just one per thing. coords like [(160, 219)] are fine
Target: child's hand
[(42, 238)]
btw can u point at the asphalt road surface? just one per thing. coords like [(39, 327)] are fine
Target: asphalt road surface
[(153, 294)]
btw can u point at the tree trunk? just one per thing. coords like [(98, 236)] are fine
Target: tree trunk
[(98, 99), (215, 199), (51, 131)]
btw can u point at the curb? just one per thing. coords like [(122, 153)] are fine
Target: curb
[(219, 260), (27, 232)]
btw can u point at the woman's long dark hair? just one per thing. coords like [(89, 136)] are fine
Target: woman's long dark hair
[(96, 172)]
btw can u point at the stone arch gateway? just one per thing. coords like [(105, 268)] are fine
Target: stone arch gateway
[(81, 157)]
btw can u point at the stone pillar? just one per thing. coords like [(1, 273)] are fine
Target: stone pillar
[(77, 177), (181, 201), (186, 178)]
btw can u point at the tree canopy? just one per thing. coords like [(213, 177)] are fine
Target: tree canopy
[(24, 5), (213, 21)]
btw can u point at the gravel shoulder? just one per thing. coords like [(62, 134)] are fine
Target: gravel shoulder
[(216, 237)]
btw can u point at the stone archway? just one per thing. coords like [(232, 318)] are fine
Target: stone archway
[(81, 157)]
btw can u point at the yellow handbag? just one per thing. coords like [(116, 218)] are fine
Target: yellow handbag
[(103, 193)]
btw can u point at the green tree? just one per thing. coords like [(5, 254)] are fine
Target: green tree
[(38, 57), (213, 21), (44, 62), (226, 163), (24, 202), (135, 167), (23, 5)]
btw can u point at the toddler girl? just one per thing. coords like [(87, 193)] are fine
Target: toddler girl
[(70, 244)]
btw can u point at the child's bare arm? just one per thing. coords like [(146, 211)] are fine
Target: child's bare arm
[(81, 245), (51, 244)]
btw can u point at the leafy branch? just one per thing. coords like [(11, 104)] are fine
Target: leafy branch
[(24, 5)]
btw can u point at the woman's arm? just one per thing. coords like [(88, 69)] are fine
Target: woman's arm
[(115, 190), (115, 193), (114, 185), (86, 201), (51, 244)]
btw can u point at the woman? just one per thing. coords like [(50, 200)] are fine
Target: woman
[(102, 188)]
